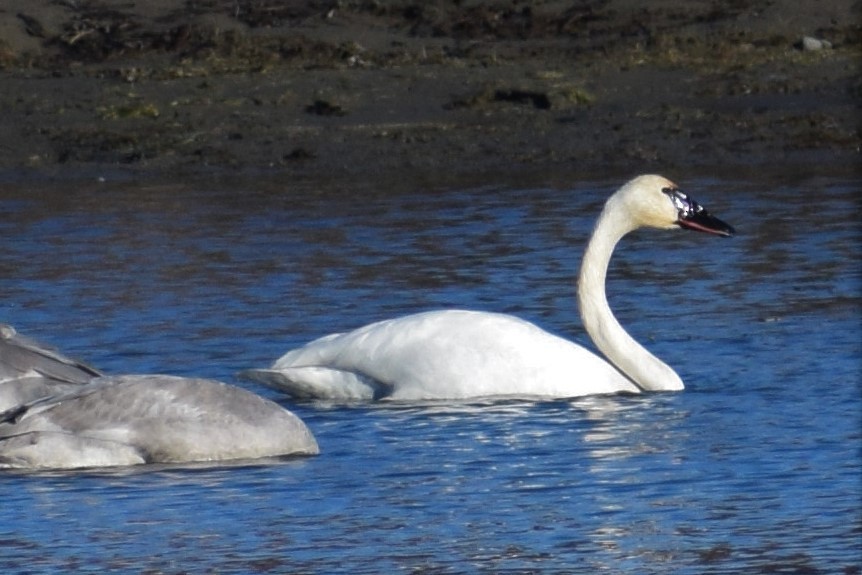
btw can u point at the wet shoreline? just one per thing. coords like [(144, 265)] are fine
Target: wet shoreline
[(426, 91)]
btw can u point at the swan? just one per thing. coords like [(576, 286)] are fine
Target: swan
[(135, 419), (460, 354), (30, 369)]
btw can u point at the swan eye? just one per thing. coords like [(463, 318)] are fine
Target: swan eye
[(685, 206)]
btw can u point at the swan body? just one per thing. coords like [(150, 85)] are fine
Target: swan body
[(30, 369), (134, 419), (466, 354), (400, 359)]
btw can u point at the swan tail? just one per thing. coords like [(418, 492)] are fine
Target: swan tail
[(315, 382)]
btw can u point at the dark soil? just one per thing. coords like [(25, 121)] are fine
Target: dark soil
[(445, 90)]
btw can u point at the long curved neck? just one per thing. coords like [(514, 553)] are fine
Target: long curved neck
[(627, 355)]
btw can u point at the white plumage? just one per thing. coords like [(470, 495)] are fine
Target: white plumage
[(457, 354)]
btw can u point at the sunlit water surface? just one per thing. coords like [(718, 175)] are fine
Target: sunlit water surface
[(754, 468)]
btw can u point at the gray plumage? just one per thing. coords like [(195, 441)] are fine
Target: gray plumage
[(133, 419), (30, 369)]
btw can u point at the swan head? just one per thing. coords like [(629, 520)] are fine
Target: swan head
[(656, 202)]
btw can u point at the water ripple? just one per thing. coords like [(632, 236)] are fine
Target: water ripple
[(754, 468)]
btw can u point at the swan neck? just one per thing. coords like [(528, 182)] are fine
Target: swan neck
[(626, 354)]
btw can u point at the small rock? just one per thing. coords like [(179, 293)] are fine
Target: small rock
[(811, 44)]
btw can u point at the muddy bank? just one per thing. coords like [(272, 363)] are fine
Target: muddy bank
[(169, 88)]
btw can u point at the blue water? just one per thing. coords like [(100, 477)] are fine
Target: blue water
[(755, 468)]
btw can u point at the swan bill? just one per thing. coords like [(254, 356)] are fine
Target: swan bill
[(703, 221), (693, 216)]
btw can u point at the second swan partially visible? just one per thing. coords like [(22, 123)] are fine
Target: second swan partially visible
[(135, 419), (59, 413), (458, 354)]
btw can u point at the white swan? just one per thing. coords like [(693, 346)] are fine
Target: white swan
[(30, 369), (134, 419), (464, 354)]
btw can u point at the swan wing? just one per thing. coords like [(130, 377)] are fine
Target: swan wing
[(23, 390), (456, 354), (22, 356), (315, 382), (30, 370)]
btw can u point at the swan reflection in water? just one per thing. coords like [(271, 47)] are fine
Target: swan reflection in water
[(459, 354)]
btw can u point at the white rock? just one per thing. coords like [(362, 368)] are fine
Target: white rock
[(811, 44)]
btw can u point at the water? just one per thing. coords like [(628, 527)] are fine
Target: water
[(754, 468)]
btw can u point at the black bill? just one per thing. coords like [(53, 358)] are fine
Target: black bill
[(693, 216)]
